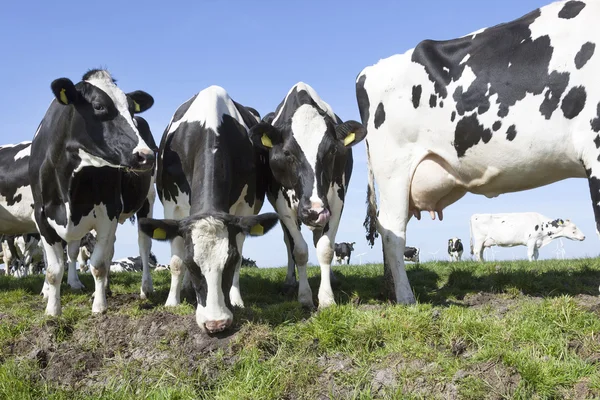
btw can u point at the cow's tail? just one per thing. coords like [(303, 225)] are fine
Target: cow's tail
[(370, 223), (471, 234)]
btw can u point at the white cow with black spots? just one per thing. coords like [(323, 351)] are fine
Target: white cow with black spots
[(504, 109)]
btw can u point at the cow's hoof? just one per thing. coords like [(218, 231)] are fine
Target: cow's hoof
[(145, 293), (76, 285)]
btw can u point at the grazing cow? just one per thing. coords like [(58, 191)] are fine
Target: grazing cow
[(343, 251), (90, 168), (529, 229), (211, 184), (504, 109), (22, 254), (248, 263), (455, 249), (132, 264), (411, 254), (310, 158)]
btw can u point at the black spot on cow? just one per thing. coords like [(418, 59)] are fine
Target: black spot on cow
[(432, 101), (511, 132), (574, 102), (594, 184), (497, 125), (557, 222), (379, 116), (537, 227), (557, 84), (362, 97), (14, 172), (584, 54), (417, 90), (571, 9), (453, 116), (597, 141), (441, 104), (468, 133), (503, 221), (595, 123)]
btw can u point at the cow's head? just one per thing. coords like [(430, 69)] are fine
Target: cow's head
[(453, 244), (303, 138), (564, 228), (351, 245), (211, 255), (103, 130)]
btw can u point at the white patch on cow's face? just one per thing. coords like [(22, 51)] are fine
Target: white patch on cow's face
[(570, 231), (210, 241), (208, 108), (103, 81), (309, 127), (89, 160)]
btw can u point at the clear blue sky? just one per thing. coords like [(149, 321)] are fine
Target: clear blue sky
[(257, 51)]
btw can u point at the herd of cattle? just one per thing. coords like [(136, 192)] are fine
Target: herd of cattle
[(504, 109)]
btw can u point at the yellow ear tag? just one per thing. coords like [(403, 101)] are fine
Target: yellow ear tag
[(266, 141), (137, 106), (63, 97), (257, 230), (349, 139), (159, 233)]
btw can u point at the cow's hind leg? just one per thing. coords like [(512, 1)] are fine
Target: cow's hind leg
[(290, 284), (72, 277)]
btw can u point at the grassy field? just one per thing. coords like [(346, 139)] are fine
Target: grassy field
[(479, 331)]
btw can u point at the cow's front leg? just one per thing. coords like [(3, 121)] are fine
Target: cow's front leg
[(55, 268), (72, 277), (145, 246), (177, 268), (235, 296), (325, 250), (100, 264), (299, 250)]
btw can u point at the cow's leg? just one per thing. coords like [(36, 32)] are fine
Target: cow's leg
[(235, 296), (177, 268), (100, 264), (290, 284), (300, 256), (72, 277), (392, 221), (145, 246), (478, 248), (55, 268), (536, 253)]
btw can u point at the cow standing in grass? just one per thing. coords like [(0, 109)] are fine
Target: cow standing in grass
[(504, 109), (212, 184), (90, 168)]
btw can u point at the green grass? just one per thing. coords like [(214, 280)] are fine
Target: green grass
[(479, 330)]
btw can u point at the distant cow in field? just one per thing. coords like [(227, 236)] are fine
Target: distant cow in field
[(343, 251), (503, 109), (529, 229), (455, 249), (132, 264), (411, 254), (248, 263), (212, 184)]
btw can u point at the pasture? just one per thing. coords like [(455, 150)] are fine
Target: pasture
[(479, 330)]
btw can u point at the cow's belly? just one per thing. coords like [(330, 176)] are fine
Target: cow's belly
[(97, 219), (17, 219)]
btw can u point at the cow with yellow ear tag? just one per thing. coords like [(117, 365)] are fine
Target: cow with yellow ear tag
[(309, 150)]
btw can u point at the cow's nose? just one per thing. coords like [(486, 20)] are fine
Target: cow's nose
[(145, 158), (217, 326), (315, 215)]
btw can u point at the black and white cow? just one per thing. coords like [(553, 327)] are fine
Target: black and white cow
[(212, 184), (411, 254), (132, 264), (504, 109), (90, 168), (455, 249), (343, 251), (310, 157), (248, 263)]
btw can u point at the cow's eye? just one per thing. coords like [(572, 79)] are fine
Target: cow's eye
[(98, 107)]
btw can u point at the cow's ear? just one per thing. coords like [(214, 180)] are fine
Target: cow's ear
[(141, 101), (350, 133), (64, 91), (159, 229), (264, 135), (257, 225)]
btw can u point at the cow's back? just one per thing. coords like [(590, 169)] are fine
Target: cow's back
[(506, 228), (206, 158)]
